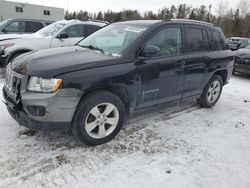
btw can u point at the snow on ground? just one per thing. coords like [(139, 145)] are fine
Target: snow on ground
[(189, 148)]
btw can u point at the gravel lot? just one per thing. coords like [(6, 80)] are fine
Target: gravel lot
[(192, 147)]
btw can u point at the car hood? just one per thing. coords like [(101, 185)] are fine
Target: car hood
[(243, 53), (5, 37), (52, 62)]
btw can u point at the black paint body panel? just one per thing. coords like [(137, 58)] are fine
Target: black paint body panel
[(146, 82)]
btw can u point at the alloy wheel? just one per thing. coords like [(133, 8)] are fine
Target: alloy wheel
[(214, 91), (102, 120)]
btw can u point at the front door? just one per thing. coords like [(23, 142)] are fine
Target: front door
[(162, 76), (75, 33)]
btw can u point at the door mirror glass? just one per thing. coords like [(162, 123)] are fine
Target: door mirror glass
[(151, 51), (63, 35)]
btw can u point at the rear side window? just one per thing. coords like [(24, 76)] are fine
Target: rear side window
[(217, 41), (205, 38), (197, 40), (169, 41), (91, 29), (31, 27)]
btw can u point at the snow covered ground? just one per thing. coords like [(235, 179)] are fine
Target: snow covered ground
[(190, 148)]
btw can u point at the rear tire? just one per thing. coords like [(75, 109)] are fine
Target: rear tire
[(211, 92), (98, 118)]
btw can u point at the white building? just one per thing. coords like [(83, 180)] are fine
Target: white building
[(24, 10)]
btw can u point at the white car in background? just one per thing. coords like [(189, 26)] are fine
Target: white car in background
[(59, 34)]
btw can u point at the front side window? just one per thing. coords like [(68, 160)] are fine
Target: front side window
[(74, 31), (115, 38), (15, 27), (168, 40)]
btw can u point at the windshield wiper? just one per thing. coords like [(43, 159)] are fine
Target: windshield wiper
[(92, 48)]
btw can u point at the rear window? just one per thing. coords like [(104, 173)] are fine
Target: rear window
[(217, 41), (197, 40)]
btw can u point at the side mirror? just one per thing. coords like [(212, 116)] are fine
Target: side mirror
[(242, 46), (63, 35), (4, 30), (151, 51)]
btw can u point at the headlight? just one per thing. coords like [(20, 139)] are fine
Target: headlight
[(4, 46), (44, 85)]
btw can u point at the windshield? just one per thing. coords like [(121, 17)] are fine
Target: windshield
[(3, 22), (50, 30), (113, 39)]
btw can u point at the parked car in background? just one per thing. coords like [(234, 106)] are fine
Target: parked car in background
[(21, 26), (242, 61), (235, 43), (59, 34), (121, 69)]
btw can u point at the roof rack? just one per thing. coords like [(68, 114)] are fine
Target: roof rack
[(100, 21), (74, 20), (190, 20)]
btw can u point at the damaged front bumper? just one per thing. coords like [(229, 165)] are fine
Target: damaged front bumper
[(40, 111)]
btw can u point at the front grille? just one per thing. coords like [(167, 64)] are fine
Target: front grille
[(12, 83), (8, 98)]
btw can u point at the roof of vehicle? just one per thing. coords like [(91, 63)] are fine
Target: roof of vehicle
[(89, 22), (140, 22), (151, 22), (237, 38), (27, 19), (184, 21)]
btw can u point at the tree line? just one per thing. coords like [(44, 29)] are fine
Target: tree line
[(234, 22)]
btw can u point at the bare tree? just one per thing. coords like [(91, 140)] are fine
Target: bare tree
[(222, 9), (244, 7)]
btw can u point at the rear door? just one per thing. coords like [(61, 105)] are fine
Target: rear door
[(162, 77), (197, 63), (75, 32)]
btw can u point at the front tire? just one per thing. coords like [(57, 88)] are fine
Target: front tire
[(211, 92), (98, 118)]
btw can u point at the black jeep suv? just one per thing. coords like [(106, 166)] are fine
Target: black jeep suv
[(122, 68)]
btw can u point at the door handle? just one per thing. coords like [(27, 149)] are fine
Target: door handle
[(180, 62)]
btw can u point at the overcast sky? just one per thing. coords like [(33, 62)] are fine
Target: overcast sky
[(117, 5)]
